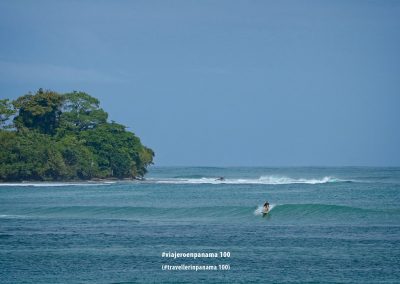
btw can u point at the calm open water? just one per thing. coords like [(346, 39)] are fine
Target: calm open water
[(326, 225)]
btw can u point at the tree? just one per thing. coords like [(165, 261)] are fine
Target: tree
[(30, 156), (40, 111), (119, 152), (81, 112), (79, 160), (66, 137)]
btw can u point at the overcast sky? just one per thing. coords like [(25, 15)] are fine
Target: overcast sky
[(222, 83)]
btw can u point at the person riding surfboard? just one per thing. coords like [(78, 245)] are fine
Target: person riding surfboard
[(265, 208)]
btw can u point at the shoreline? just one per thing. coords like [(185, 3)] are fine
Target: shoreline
[(91, 181)]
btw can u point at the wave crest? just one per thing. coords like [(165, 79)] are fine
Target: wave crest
[(277, 211), (268, 180)]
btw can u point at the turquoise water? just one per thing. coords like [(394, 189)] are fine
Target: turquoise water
[(326, 225)]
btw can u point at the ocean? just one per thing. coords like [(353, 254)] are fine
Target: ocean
[(182, 225)]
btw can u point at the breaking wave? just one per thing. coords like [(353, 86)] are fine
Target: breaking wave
[(277, 211), (271, 180)]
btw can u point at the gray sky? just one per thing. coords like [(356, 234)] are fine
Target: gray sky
[(222, 83)]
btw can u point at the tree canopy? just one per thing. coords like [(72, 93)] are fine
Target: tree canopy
[(52, 136)]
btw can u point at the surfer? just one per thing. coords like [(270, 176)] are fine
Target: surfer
[(265, 208), (220, 179)]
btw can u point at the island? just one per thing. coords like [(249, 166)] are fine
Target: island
[(48, 136)]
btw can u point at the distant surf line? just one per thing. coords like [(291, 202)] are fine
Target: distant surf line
[(59, 184), (267, 180)]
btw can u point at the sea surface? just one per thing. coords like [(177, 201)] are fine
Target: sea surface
[(327, 225)]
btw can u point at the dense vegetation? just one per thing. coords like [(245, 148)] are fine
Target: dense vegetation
[(51, 136)]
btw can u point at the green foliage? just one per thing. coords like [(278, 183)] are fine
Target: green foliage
[(30, 156), (66, 137), (81, 112), (78, 158), (118, 150), (40, 111)]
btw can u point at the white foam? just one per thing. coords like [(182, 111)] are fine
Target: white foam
[(259, 209), (11, 216), (51, 184), (272, 180)]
